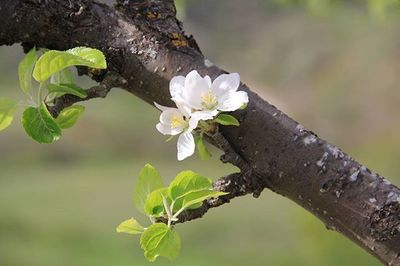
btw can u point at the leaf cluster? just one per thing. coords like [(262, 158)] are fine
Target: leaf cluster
[(52, 71), (187, 191)]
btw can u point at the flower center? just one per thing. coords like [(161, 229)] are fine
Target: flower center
[(178, 121), (209, 100)]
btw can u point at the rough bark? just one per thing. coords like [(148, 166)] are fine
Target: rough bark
[(145, 47)]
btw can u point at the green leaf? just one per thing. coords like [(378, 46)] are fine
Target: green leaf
[(227, 120), (68, 117), (66, 76), (148, 180), (187, 181), (202, 149), (130, 226), (195, 199), (154, 205), (160, 240), (7, 110), (54, 61), (25, 69), (67, 89), (40, 125), (63, 76)]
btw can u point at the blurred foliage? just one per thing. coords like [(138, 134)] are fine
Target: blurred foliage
[(378, 9), (381, 8), (181, 6), (339, 76), (320, 7)]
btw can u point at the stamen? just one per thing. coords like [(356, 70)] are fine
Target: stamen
[(209, 100), (177, 121)]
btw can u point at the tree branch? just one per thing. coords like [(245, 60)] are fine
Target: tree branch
[(249, 175), (233, 184), (147, 49), (111, 80)]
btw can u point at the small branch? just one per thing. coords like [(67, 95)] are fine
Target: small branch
[(236, 184), (249, 175), (110, 81), (233, 184), (230, 155)]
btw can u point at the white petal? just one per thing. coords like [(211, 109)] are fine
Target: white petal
[(176, 86), (208, 80), (232, 101), (205, 115), (201, 115), (195, 86), (184, 109), (167, 130), (226, 83), (185, 145), (167, 115), (161, 107)]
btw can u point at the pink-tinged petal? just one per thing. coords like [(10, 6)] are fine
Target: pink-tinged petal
[(226, 83), (232, 101), (185, 145), (176, 86), (201, 115), (167, 130), (195, 87)]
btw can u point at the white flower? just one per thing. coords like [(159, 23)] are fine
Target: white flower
[(174, 121), (211, 97), (197, 99)]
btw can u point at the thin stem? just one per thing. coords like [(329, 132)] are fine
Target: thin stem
[(172, 206), (168, 210), (177, 213), (39, 95)]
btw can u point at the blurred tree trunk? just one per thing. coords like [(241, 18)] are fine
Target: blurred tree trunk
[(145, 45)]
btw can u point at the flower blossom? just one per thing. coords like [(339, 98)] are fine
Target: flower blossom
[(198, 98), (174, 121), (201, 94)]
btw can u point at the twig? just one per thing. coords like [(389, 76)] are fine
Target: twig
[(110, 81), (232, 183), (249, 175), (236, 184)]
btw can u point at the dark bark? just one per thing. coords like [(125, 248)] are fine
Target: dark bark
[(145, 45)]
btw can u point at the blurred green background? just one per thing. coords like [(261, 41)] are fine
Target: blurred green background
[(335, 70)]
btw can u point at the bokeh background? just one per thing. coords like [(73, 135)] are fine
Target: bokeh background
[(333, 68)]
